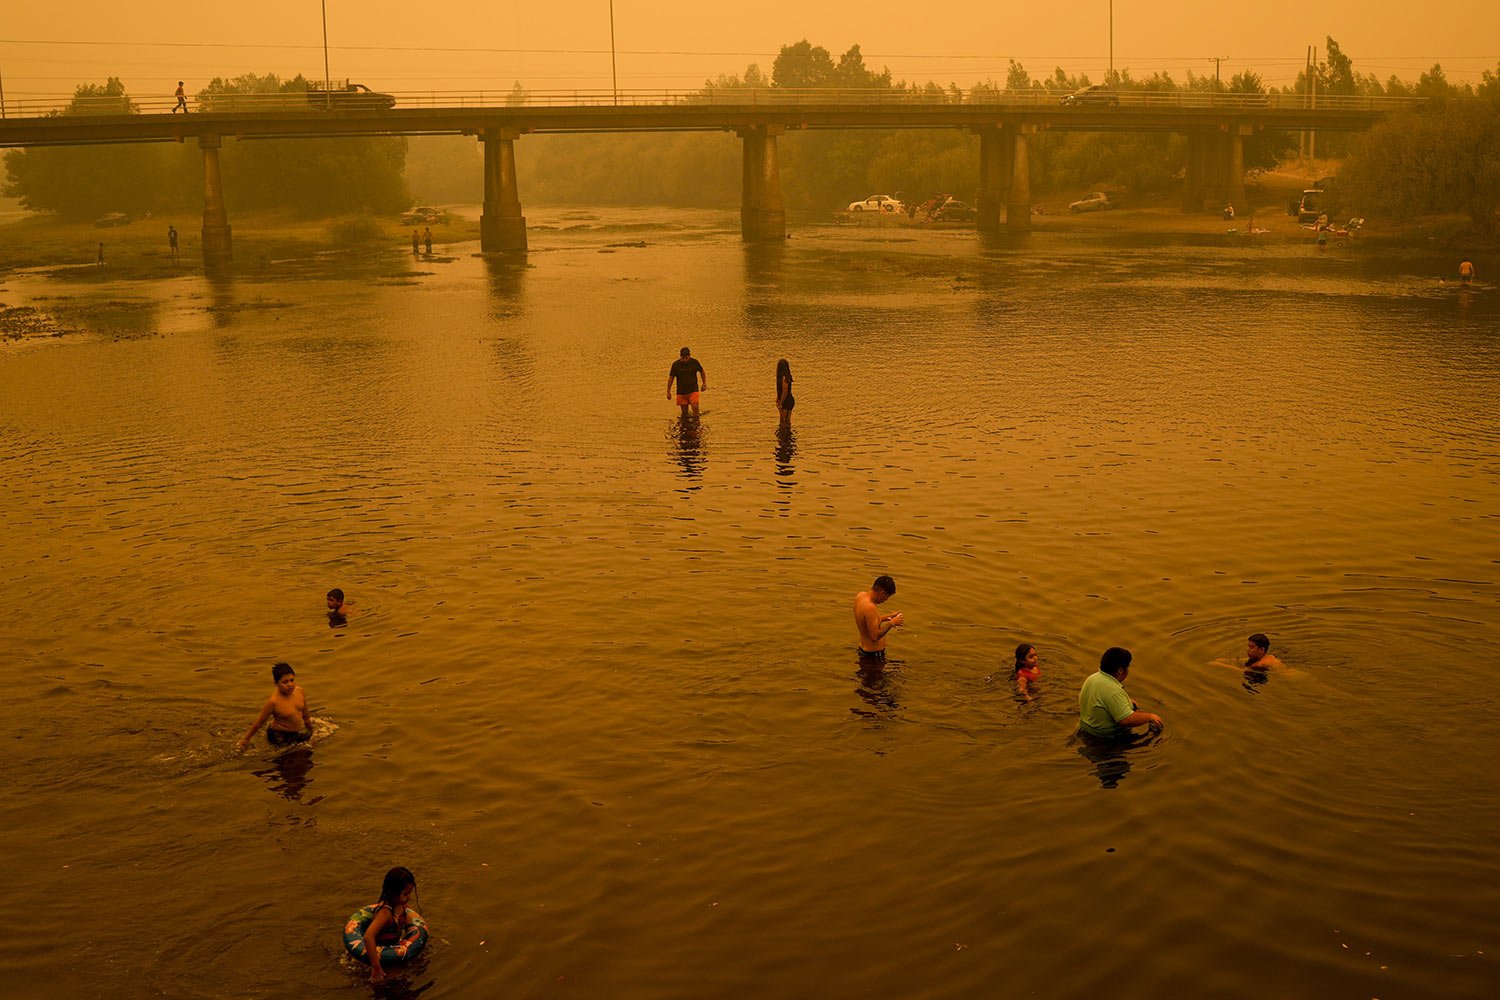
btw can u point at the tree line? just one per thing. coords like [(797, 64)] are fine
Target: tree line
[(1439, 157), (313, 177)]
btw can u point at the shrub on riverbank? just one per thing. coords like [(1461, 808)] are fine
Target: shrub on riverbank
[(358, 231)]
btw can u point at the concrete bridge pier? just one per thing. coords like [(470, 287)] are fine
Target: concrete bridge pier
[(994, 176), (1216, 169), (1192, 180), (1018, 200), (218, 242), (762, 211), (502, 227), (1235, 181)]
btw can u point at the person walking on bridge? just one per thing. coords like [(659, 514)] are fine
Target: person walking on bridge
[(181, 100)]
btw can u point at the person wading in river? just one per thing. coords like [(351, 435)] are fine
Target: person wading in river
[(686, 371), (1104, 709), (872, 625)]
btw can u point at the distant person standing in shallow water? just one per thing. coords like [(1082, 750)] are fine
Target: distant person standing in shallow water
[(287, 710), (686, 371), (427, 240), (99, 261), (1104, 709), (1466, 272), (172, 240), (1027, 669), (416, 242), (784, 398), (872, 625)]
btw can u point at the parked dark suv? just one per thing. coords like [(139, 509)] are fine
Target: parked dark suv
[(1097, 94)]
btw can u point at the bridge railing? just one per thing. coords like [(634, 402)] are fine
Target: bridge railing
[(723, 97)]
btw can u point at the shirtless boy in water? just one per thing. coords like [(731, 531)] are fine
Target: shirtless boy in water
[(337, 605), (1257, 655), (287, 710), (873, 625)]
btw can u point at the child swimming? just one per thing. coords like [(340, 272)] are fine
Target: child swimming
[(287, 710), (1026, 670), (391, 916)]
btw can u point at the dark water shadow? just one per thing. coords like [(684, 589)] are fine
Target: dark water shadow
[(785, 453), (688, 448), (396, 986), (878, 691), (506, 283), (336, 620), (287, 774), (765, 265), (1111, 760)]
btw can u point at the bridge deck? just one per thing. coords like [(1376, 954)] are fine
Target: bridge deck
[(292, 115)]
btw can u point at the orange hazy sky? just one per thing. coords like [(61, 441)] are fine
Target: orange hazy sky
[(461, 45)]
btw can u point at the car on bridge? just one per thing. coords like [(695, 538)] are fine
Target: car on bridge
[(877, 203), (1097, 94), (1097, 201), (349, 97)]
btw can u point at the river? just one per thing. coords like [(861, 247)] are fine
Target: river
[(599, 692)]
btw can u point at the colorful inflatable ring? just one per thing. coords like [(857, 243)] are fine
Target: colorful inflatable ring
[(410, 945)]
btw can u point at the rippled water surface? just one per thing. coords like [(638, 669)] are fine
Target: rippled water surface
[(599, 691)]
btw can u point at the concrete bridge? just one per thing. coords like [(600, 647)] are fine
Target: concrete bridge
[(1216, 125)]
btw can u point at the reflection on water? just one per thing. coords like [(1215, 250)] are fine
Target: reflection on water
[(877, 689), (786, 453), (688, 448), (287, 774), (584, 726), (1111, 760)]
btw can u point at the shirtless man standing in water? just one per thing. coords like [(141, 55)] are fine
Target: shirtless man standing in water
[(873, 626)]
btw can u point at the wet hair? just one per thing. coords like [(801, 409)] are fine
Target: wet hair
[(337, 595), (1260, 640), (282, 670), (1021, 652), (396, 881), (1114, 660), (684, 352), (884, 583), (783, 370)]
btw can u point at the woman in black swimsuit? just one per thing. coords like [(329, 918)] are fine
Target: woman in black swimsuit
[(784, 398)]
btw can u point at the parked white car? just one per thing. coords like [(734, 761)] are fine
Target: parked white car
[(877, 203), (1096, 202)]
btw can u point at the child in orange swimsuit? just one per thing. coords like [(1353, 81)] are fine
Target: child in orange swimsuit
[(1026, 670)]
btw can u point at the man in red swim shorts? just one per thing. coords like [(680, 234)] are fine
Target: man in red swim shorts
[(687, 371)]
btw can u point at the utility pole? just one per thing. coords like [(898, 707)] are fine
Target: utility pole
[(2, 95), (1111, 43), (327, 80), (614, 76), (1312, 80), (1218, 87)]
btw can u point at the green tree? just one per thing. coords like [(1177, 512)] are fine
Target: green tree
[(85, 182), (802, 66)]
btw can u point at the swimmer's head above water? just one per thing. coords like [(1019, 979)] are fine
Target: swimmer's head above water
[(285, 677), (335, 599), (1026, 658)]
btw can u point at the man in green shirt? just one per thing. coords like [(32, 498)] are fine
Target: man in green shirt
[(1104, 709)]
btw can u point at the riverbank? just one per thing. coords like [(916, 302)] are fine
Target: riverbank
[(139, 250)]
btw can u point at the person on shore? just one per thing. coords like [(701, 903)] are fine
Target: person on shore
[(427, 240), (99, 261), (172, 240), (1027, 669), (1229, 212), (784, 398), (1466, 272), (416, 242), (686, 372), (872, 625), (287, 710), (1322, 238), (181, 100), (1104, 709), (391, 916)]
